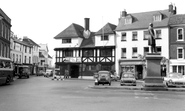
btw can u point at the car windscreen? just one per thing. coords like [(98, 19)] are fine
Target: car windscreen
[(128, 76)]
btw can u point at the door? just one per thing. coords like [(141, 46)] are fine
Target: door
[(74, 71)]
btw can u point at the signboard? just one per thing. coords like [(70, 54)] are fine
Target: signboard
[(72, 59)]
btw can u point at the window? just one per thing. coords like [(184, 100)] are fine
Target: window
[(123, 36), (158, 49), (25, 59), (29, 60), (128, 20), (19, 58), (157, 18), (158, 34), (14, 45), (90, 67), (25, 49), (134, 36), (146, 50), (5, 50), (180, 53), (180, 35), (68, 53), (2, 28), (105, 52), (104, 37), (66, 40), (174, 69), (88, 52), (13, 58), (178, 69), (30, 50), (134, 52), (124, 51), (146, 35)]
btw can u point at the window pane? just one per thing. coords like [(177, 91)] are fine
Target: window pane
[(123, 36)]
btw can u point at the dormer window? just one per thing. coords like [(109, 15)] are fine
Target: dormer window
[(128, 20), (157, 17)]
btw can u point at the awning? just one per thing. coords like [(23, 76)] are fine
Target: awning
[(131, 62)]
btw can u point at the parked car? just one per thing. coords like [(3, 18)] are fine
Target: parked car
[(174, 79), (103, 77), (128, 79), (114, 77), (57, 75), (24, 71), (40, 73), (48, 73)]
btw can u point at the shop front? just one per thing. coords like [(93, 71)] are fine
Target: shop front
[(135, 66)]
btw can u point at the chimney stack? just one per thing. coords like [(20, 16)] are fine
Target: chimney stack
[(124, 13), (170, 8), (86, 23)]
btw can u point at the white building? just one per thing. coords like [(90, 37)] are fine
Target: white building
[(132, 39)]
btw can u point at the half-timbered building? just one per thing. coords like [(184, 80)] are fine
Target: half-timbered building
[(80, 54)]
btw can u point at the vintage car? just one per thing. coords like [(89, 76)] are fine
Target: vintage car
[(128, 79), (48, 73), (57, 75), (24, 71), (103, 77), (41, 73), (174, 79)]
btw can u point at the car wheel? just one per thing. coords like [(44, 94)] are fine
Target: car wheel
[(28, 76), (109, 84), (20, 77), (8, 80)]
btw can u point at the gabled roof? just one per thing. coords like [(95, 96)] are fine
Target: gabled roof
[(142, 20), (177, 19), (74, 30), (107, 29), (49, 56), (88, 42), (29, 41), (21, 42)]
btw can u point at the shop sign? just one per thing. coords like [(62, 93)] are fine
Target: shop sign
[(72, 59)]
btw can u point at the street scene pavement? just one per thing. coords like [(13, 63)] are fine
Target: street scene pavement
[(43, 94)]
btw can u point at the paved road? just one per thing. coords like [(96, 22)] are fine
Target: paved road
[(43, 94)]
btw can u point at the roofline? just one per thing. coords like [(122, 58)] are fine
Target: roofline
[(82, 47), (173, 25), (68, 37), (142, 28)]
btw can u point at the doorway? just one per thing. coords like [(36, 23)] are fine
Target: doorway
[(139, 71), (74, 71)]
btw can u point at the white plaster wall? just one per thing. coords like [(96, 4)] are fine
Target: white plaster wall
[(140, 44), (110, 42), (75, 42)]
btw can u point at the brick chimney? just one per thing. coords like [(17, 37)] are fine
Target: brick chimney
[(86, 23), (124, 13)]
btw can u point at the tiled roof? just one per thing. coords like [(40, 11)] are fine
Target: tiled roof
[(177, 19), (142, 20), (107, 29), (21, 42), (29, 41), (88, 42), (74, 30)]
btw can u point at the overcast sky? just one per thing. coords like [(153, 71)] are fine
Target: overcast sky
[(41, 20)]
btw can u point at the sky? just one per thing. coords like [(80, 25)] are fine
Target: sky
[(42, 20)]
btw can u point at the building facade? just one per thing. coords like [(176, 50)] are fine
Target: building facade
[(177, 44), (35, 54), (132, 39), (5, 29), (79, 53)]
